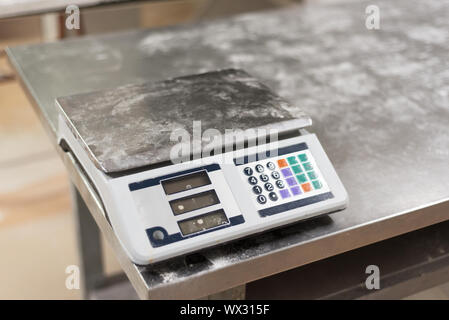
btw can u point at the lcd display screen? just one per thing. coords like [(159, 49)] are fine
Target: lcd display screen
[(194, 202), (186, 182), (203, 222)]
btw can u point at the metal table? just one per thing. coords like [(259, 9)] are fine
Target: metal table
[(379, 100)]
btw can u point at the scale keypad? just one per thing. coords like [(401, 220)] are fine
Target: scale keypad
[(284, 178)]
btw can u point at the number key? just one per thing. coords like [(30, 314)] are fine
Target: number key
[(268, 186), (261, 199), (280, 184), (252, 180), (248, 171), (257, 189)]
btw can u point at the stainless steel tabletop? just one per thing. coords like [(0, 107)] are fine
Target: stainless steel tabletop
[(379, 100)]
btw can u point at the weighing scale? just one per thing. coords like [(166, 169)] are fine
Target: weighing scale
[(251, 168)]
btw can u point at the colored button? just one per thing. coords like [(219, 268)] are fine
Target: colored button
[(275, 175), (291, 181), (248, 171), (306, 187), (312, 175), (273, 196), (260, 168), (282, 163), (297, 169), (301, 178), (317, 184), (280, 184), (307, 166), (296, 191), (264, 178), (292, 160), (302, 157), (257, 189), (252, 180), (261, 199), (284, 193), (268, 186), (271, 165), (286, 172)]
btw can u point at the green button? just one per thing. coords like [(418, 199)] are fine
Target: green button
[(317, 184), (297, 169), (312, 175), (301, 178), (307, 166), (292, 160), (302, 157)]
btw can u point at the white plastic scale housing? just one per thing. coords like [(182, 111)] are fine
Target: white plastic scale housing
[(139, 210)]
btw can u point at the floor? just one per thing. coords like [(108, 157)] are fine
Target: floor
[(37, 239), (35, 218)]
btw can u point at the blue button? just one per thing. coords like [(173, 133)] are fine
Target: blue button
[(286, 172), (284, 193), (291, 181), (296, 191)]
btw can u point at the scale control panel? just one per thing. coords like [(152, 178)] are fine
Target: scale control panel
[(283, 179)]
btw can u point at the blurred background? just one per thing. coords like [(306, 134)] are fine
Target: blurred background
[(36, 224)]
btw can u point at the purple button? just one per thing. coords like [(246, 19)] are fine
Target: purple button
[(291, 181), (286, 172), (284, 193), (296, 191)]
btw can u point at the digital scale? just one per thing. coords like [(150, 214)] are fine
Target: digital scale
[(164, 203)]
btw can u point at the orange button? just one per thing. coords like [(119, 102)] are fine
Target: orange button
[(282, 163), (306, 187)]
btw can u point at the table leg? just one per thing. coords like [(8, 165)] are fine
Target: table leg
[(89, 245)]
